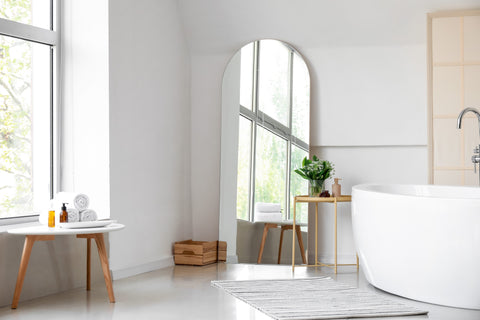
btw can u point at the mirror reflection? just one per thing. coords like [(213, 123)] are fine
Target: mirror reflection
[(265, 136)]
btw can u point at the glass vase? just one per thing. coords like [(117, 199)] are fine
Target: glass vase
[(316, 187)]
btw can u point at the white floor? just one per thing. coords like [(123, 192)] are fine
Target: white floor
[(184, 292)]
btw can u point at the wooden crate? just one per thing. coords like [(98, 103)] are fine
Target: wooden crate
[(199, 253), (222, 251)]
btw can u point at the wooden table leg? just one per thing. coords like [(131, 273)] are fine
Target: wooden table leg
[(300, 243), (293, 233), (316, 233), (264, 239), (102, 252), (27, 250), (280, 245), (335, 235), (89, 250), (89, 255)]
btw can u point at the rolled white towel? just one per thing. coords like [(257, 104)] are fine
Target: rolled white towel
[(267, 207), (73, 215), (88, 215), (78, 200)]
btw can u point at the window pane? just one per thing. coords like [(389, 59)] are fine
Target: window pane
[(33, 12), (273, 97), (298, 185), (300, 99), (270, 168), (246, 76), (24, 127), (243, 172)]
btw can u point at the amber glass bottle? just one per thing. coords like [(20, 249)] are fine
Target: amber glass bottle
[(51, 218), (64, 214)]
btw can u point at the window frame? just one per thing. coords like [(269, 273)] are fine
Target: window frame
[(259, 118), (51, 38)]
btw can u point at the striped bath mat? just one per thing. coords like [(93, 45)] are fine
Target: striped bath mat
[(313, 298)]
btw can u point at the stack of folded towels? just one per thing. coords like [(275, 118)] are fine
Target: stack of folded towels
[(268, 212), (77, 206)]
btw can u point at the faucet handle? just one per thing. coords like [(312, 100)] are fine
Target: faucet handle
[(477, 149), (475, 160)]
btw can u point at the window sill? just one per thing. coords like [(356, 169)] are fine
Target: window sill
[(9, 224)]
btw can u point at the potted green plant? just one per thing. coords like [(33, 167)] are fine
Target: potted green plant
[(316, 171)]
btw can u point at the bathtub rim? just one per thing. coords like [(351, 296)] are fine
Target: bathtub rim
[(390, 188)]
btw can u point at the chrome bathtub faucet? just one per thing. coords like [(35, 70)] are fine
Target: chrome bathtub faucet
[(476, 158), (476, 151)]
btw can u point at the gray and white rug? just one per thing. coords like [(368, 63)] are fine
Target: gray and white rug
[(313, 298)]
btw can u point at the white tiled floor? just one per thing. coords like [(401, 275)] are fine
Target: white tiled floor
[(184, 292)]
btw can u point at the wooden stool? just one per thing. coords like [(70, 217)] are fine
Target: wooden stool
[(285, 226)]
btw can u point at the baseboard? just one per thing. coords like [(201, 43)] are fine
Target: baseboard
[(232, 259), (330, 258), (271, 259), (146, 267)]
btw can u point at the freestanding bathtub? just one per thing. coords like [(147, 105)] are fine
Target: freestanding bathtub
[(420, 241)]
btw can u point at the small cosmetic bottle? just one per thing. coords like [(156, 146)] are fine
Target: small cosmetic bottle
[(51, 217), (336, 188), (64, 214)]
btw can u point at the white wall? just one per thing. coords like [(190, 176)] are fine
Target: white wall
[(369, 95), (207, 73), (149, 134), (85, 127), (368, 64)]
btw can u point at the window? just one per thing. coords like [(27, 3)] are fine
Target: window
[(273, 127), (27, 61)]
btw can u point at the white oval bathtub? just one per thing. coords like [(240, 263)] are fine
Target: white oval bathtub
[(420, 241)]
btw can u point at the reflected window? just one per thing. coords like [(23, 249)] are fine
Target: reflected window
[(244, 157), (298, 185), (300, 99), (273, 79), (270, 168), (273, 127), (246, 76)]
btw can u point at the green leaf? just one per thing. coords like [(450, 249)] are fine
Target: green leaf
[(315, 169)]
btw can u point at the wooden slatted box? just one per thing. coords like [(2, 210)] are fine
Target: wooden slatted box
[(222, 251), (199, 253)]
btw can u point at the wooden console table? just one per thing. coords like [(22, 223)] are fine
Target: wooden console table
[(43, 233), (317, 200)]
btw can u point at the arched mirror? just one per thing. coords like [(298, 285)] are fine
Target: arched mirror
[(265, 135)]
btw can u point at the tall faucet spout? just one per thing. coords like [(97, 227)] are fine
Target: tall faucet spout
[(462, 113)]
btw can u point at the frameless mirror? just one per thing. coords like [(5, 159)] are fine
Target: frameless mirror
[(265, 135)]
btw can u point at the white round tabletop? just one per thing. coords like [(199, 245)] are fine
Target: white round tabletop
[(45, 230)]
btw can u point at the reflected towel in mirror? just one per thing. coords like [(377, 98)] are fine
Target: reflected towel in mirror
[(268, 212)]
